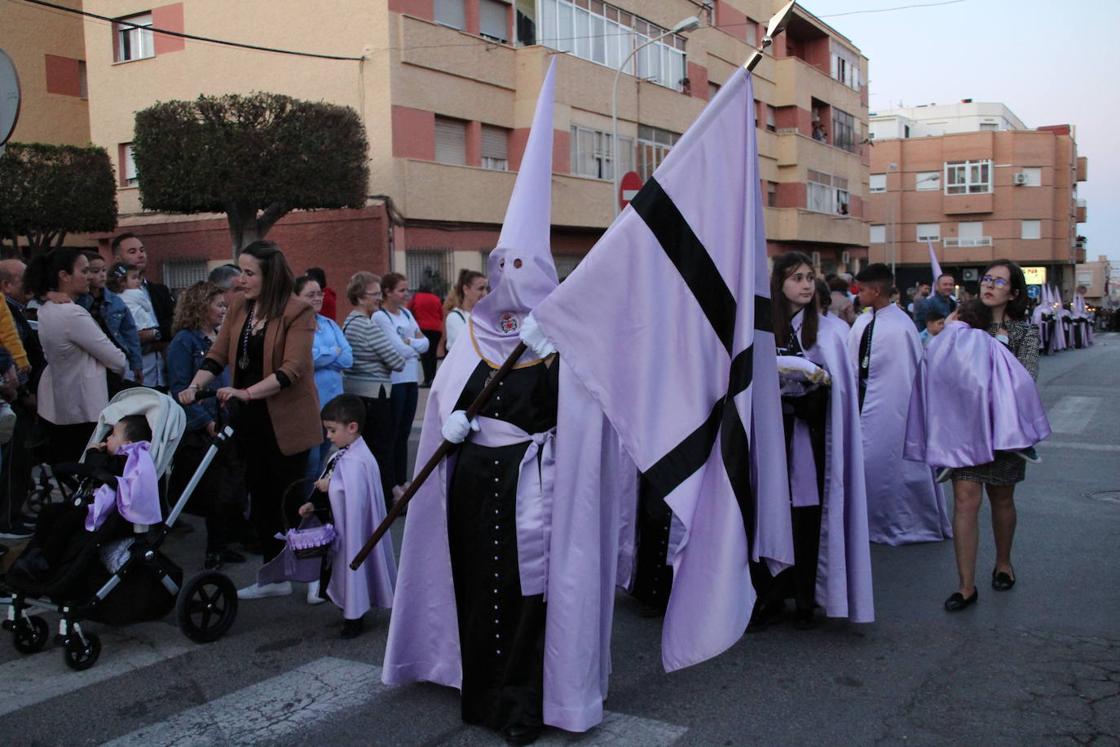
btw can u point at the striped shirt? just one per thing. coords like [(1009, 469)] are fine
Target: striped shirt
[(374, 357)]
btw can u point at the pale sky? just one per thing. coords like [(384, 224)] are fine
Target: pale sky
[(1050, 62)]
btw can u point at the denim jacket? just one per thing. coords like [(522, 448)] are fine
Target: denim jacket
[(332, 355), (118, 324), (184, 356)]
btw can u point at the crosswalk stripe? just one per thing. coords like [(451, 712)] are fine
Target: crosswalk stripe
[(268, 710), (1079, 446), (35, 678), (1071, 414), (616, 730)]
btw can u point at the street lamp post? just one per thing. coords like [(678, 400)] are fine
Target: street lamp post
[(687, 24)]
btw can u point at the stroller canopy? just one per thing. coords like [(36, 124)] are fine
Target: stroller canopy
[(165, 417)]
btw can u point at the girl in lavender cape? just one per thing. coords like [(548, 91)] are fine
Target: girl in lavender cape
[(986, 418), (832, 560)]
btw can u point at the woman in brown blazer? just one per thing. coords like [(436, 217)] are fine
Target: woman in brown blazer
[(266, 340)]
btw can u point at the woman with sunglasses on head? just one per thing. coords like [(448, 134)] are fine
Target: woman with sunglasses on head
[(266, 339), (1003, 294)]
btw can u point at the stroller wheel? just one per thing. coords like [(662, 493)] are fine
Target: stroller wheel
[(207, 607), (31, 634), (79, 655)]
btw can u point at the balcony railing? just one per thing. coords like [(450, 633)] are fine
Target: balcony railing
[(965, 243)]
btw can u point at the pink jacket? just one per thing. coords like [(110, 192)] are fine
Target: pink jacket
[(73, 387)]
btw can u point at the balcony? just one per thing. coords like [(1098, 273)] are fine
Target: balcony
[(959, 243), (1082, 169), (808, 226), (968, 204), (1081, 211)]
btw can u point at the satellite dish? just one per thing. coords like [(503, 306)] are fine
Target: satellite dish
[(9, 98)]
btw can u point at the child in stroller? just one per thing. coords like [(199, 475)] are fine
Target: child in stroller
[(98, 556), (122, 466)]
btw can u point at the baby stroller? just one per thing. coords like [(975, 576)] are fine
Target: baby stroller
[(117, 574)]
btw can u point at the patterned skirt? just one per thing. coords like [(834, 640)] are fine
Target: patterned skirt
[(1006, 469)]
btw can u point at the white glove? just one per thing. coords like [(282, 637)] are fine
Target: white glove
[(532, 335), (456, 428)]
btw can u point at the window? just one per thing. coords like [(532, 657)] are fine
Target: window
[(843, 130), (134, 37), (1033, 176), (1031, 229), (430, 266), (969, 234), (184, 274), (878, 183), (713, 89), (494, 20), (929, 232), (495, 148), (596, 31), (653, 146), (968, 177), (526, 22), (771, 120), (591, 153), (927, 181), (130, 176), (827, 194), (771, 194), (451, 13), (878, 234), (988, 126), (83, 82), (451, 140), (845, 66)]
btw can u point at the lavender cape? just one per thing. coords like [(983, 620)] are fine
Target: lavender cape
[(575, 515), (971, 397), (904, 503), (137, 495), (844, 568)]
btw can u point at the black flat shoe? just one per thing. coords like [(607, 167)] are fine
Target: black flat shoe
[(213, 561), (804, 620), (1002, 581), (521, 734), (351, 629), (957, 601)]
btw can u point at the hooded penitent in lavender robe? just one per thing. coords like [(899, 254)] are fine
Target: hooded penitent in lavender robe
[(971, 397), (357, 507), (511, 547), (1082, 328), (136, 497), (904, 503)]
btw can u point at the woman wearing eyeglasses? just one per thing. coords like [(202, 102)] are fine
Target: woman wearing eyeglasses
[(1003, 293), (331, 354)]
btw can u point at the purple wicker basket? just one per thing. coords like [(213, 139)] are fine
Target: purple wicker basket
[(311, 542)]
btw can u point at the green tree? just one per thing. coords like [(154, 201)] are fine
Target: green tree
[(49, 191), (254, 158)]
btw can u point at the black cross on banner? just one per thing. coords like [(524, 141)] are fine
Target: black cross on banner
[(703, 279)]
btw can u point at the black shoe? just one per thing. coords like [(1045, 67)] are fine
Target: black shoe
[(1001, 580), (231, 556), (804, 620), (351, 628), (518, 734), (766, 614), (957, 601), (213, 561)]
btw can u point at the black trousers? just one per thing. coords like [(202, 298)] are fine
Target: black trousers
[(268, 473), (428, 359), (403, 400), (378, 435), (15, 467)]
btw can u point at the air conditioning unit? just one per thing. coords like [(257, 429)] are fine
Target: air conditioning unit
[(1019, 179), (845, 258)]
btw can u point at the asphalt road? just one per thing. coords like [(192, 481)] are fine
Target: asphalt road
[(1037, 665)]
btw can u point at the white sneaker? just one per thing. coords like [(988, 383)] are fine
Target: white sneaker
[(313, 593), (261, 591)]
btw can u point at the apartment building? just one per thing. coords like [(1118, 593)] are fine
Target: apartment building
[(48, 50), (976, 182), (446, 89), (1100, 287)]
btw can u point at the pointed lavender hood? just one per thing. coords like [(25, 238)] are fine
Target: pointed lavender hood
[(520, 269)]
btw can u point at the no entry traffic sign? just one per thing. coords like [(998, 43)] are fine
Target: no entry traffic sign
[(628, 188)]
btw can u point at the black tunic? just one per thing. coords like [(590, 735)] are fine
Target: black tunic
[(501, 631)]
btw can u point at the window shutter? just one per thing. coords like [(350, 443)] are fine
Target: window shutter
[(495, 142), (493, 20), (451, 141), (451, 13)]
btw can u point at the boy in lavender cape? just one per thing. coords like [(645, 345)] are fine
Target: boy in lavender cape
[(350, 493)]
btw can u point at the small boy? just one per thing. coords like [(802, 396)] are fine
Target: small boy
[(123, 465), (935, 322), (350, 493)]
